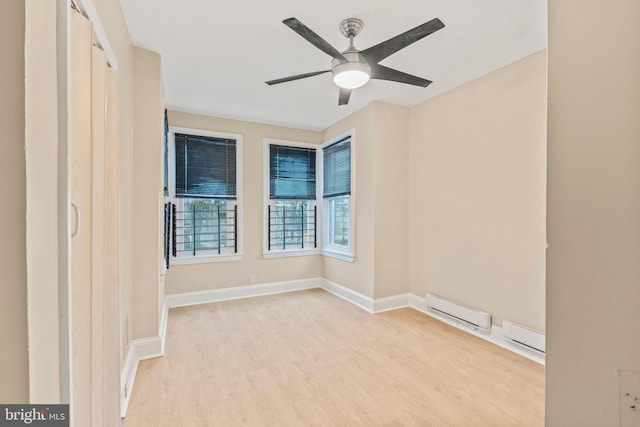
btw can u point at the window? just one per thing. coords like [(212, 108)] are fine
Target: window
[(337, 205), (291, 215), (165, 153), (167, 206), (205, 188)]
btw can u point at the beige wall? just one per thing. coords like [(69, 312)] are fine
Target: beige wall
[(118, 35), (190, 278), (358, 275), (391, 200), (148, 193), (450, 196), (14, 358), (477, 193), (593, 268), (41, 146), (449, 199), (380, 129)]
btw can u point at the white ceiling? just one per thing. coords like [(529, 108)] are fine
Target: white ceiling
[(216, 55)]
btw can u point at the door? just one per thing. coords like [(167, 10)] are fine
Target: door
[(95, 362)]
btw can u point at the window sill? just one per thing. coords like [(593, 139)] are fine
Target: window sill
[(339, 255), (205, 259), (292, 253)]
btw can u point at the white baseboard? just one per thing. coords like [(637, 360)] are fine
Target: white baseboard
[(393, 302), (417, 302), (148, 348), (496, 336), (163, 325), (142, 349), (127, 377), (238, 292), (362, 301)]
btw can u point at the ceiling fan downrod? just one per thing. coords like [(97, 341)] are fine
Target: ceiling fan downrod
[(350, 28)]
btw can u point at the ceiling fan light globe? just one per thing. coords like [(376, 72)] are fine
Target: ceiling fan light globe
[(351, 79), (351, 75)]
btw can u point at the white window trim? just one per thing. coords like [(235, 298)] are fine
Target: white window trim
[(237, 256), (206, 259), (335, 251), (279, 253), (338, 255)]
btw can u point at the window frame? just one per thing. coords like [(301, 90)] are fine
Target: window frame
[(266, 200), (328, 249), (224, 257)]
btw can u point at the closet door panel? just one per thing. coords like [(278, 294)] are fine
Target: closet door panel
[(98, 129), (112, 268), (81, 219), (95, 290)]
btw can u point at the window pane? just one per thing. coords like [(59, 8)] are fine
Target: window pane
[(339, 221), (337, 168), (292, 225), (292, 172), (205, 166), (205, 227)]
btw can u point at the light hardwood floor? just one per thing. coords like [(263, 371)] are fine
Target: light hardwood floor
[(309, 358)]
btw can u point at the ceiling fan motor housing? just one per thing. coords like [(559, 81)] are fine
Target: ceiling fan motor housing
[(356, 64), (355, 61)]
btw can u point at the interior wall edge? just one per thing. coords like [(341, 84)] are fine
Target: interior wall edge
[(14, 357), (41, 153)]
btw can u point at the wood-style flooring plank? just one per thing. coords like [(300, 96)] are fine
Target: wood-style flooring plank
[(309, 358)]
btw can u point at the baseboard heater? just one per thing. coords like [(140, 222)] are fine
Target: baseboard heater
[(523, 336), (471, 317)]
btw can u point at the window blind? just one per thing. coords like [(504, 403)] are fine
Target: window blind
[(292, 172), (205, 167), (166, 153), (337, 168)]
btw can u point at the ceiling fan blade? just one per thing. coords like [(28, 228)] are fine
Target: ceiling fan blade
[(313, 38), (296, 77), (382, 50), (343, 98), (381, 72)]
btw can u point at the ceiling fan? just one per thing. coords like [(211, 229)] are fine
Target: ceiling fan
[(353, 68)]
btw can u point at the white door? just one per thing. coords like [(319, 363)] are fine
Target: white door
[(95, 369)]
